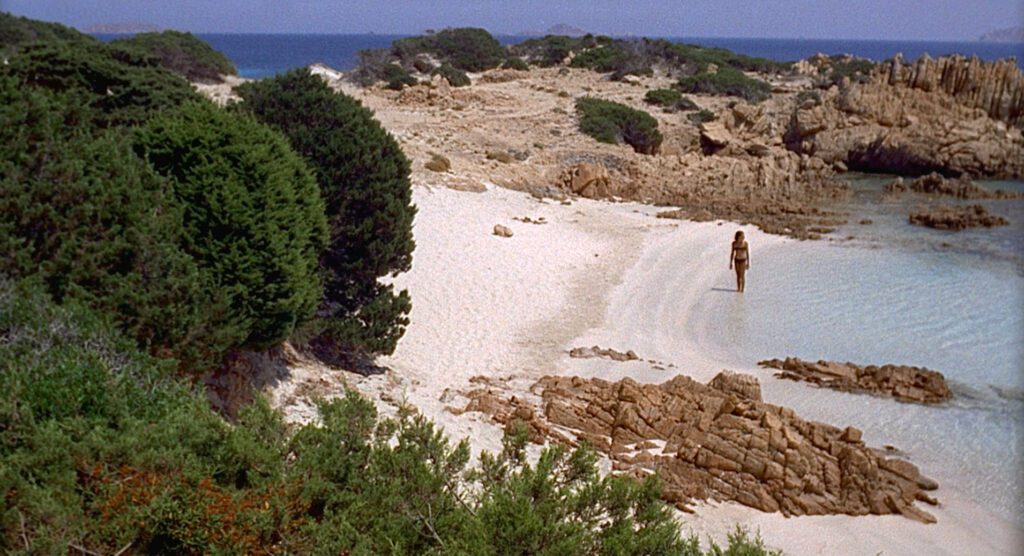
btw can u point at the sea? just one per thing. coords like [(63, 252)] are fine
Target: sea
[(262, 55), (884, 292)]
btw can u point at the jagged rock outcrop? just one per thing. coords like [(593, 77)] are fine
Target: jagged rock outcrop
[(957, 218), (937, 117), (587, 180), (708, 444), (995, 87), (961, 188), (905, 383)]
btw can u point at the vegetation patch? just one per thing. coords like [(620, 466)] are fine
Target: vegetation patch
[(611, 122), (466, 48), (726, 81), (438, 163), (456, 78), (670, 99), (181, 53)]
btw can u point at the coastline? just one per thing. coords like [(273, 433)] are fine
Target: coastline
[(510, 309)]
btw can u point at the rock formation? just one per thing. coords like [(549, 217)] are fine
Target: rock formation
[(587, 180), (961, 188), (502, 231), (597, 351), (907, 384), (957, 218), (710, 444), (950, 115)]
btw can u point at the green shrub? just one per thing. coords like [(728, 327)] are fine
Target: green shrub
[(466, 48), (396, 78), (617, 58), (857, 70), (456, 78), (94, 223), (670, 99), (253, 217), (181, 53), (363, 177), (547, 51), (726, 81), (703, 116), (611, 122), (17, 31), (515, 63)]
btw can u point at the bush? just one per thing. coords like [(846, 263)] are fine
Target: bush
[(611, 122), (704, 115), (181, 53), (396, 78), (92, 222), (857, 70), (547, 51), (455, 77), (363, 177), (726, 81), (670, 99), (516, 63), (19, 31), (618, 58), (466, 49), (112, 92), (252, 214)]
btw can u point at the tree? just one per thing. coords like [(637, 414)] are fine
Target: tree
[(181, 53), (364, 180), (94, 223), (252, 215)]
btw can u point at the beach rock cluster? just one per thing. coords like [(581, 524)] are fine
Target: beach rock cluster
[(717, 443), (961, 188), (905, 383), (597, 351), (915, 125), (957, 218)]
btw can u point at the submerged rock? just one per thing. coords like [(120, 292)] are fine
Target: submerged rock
[(961, 188), (958, 218), (905, 383)]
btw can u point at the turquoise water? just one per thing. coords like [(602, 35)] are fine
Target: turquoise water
[(889, 292)]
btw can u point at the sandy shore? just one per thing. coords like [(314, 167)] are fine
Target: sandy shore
[(599, 273)]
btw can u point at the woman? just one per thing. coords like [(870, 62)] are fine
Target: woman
[(741, 256)]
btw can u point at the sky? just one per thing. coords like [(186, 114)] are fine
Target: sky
[(950, 20)]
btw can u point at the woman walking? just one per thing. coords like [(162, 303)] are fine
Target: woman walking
[(740, 255)]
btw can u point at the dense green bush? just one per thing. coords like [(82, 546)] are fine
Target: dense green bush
[(547, 51), (726, 81), (611, 122), (704, 115), (670, 99), (93, 222), (620, 58), (181, 53), (100, 449), (16, 31), (396, 78), (252, 215), (113, 92), (364, 180), (465, 48), (456, 78), (515, 63)]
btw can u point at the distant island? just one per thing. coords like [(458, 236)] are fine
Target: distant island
[(1009, 34), (559, 29), (123, 27)]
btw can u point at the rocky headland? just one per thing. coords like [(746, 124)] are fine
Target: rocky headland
[(951, 115), (902, 382), (715, 442)]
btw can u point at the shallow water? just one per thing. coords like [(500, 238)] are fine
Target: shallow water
[(895, 293)]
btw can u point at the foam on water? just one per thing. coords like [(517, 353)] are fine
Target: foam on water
[(918, 297)]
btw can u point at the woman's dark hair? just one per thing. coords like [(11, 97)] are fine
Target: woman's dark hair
[(738, 236)]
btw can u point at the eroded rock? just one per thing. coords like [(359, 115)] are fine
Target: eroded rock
[(961, 188), (708, 444), (905, 383), (957, 218), (597, 351)]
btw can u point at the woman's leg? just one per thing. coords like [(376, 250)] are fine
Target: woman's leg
[(741, 280)]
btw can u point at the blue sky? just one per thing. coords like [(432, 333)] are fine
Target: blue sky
[(840, 19)]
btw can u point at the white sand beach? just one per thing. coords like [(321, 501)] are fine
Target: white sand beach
[(599, 273)]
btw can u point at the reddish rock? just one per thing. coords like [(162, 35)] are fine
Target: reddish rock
[(905, 383), (958, 218)]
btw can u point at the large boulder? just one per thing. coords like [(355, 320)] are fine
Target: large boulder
[(587, 179)]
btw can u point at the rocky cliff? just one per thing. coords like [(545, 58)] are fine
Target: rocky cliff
[(951, 115)]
